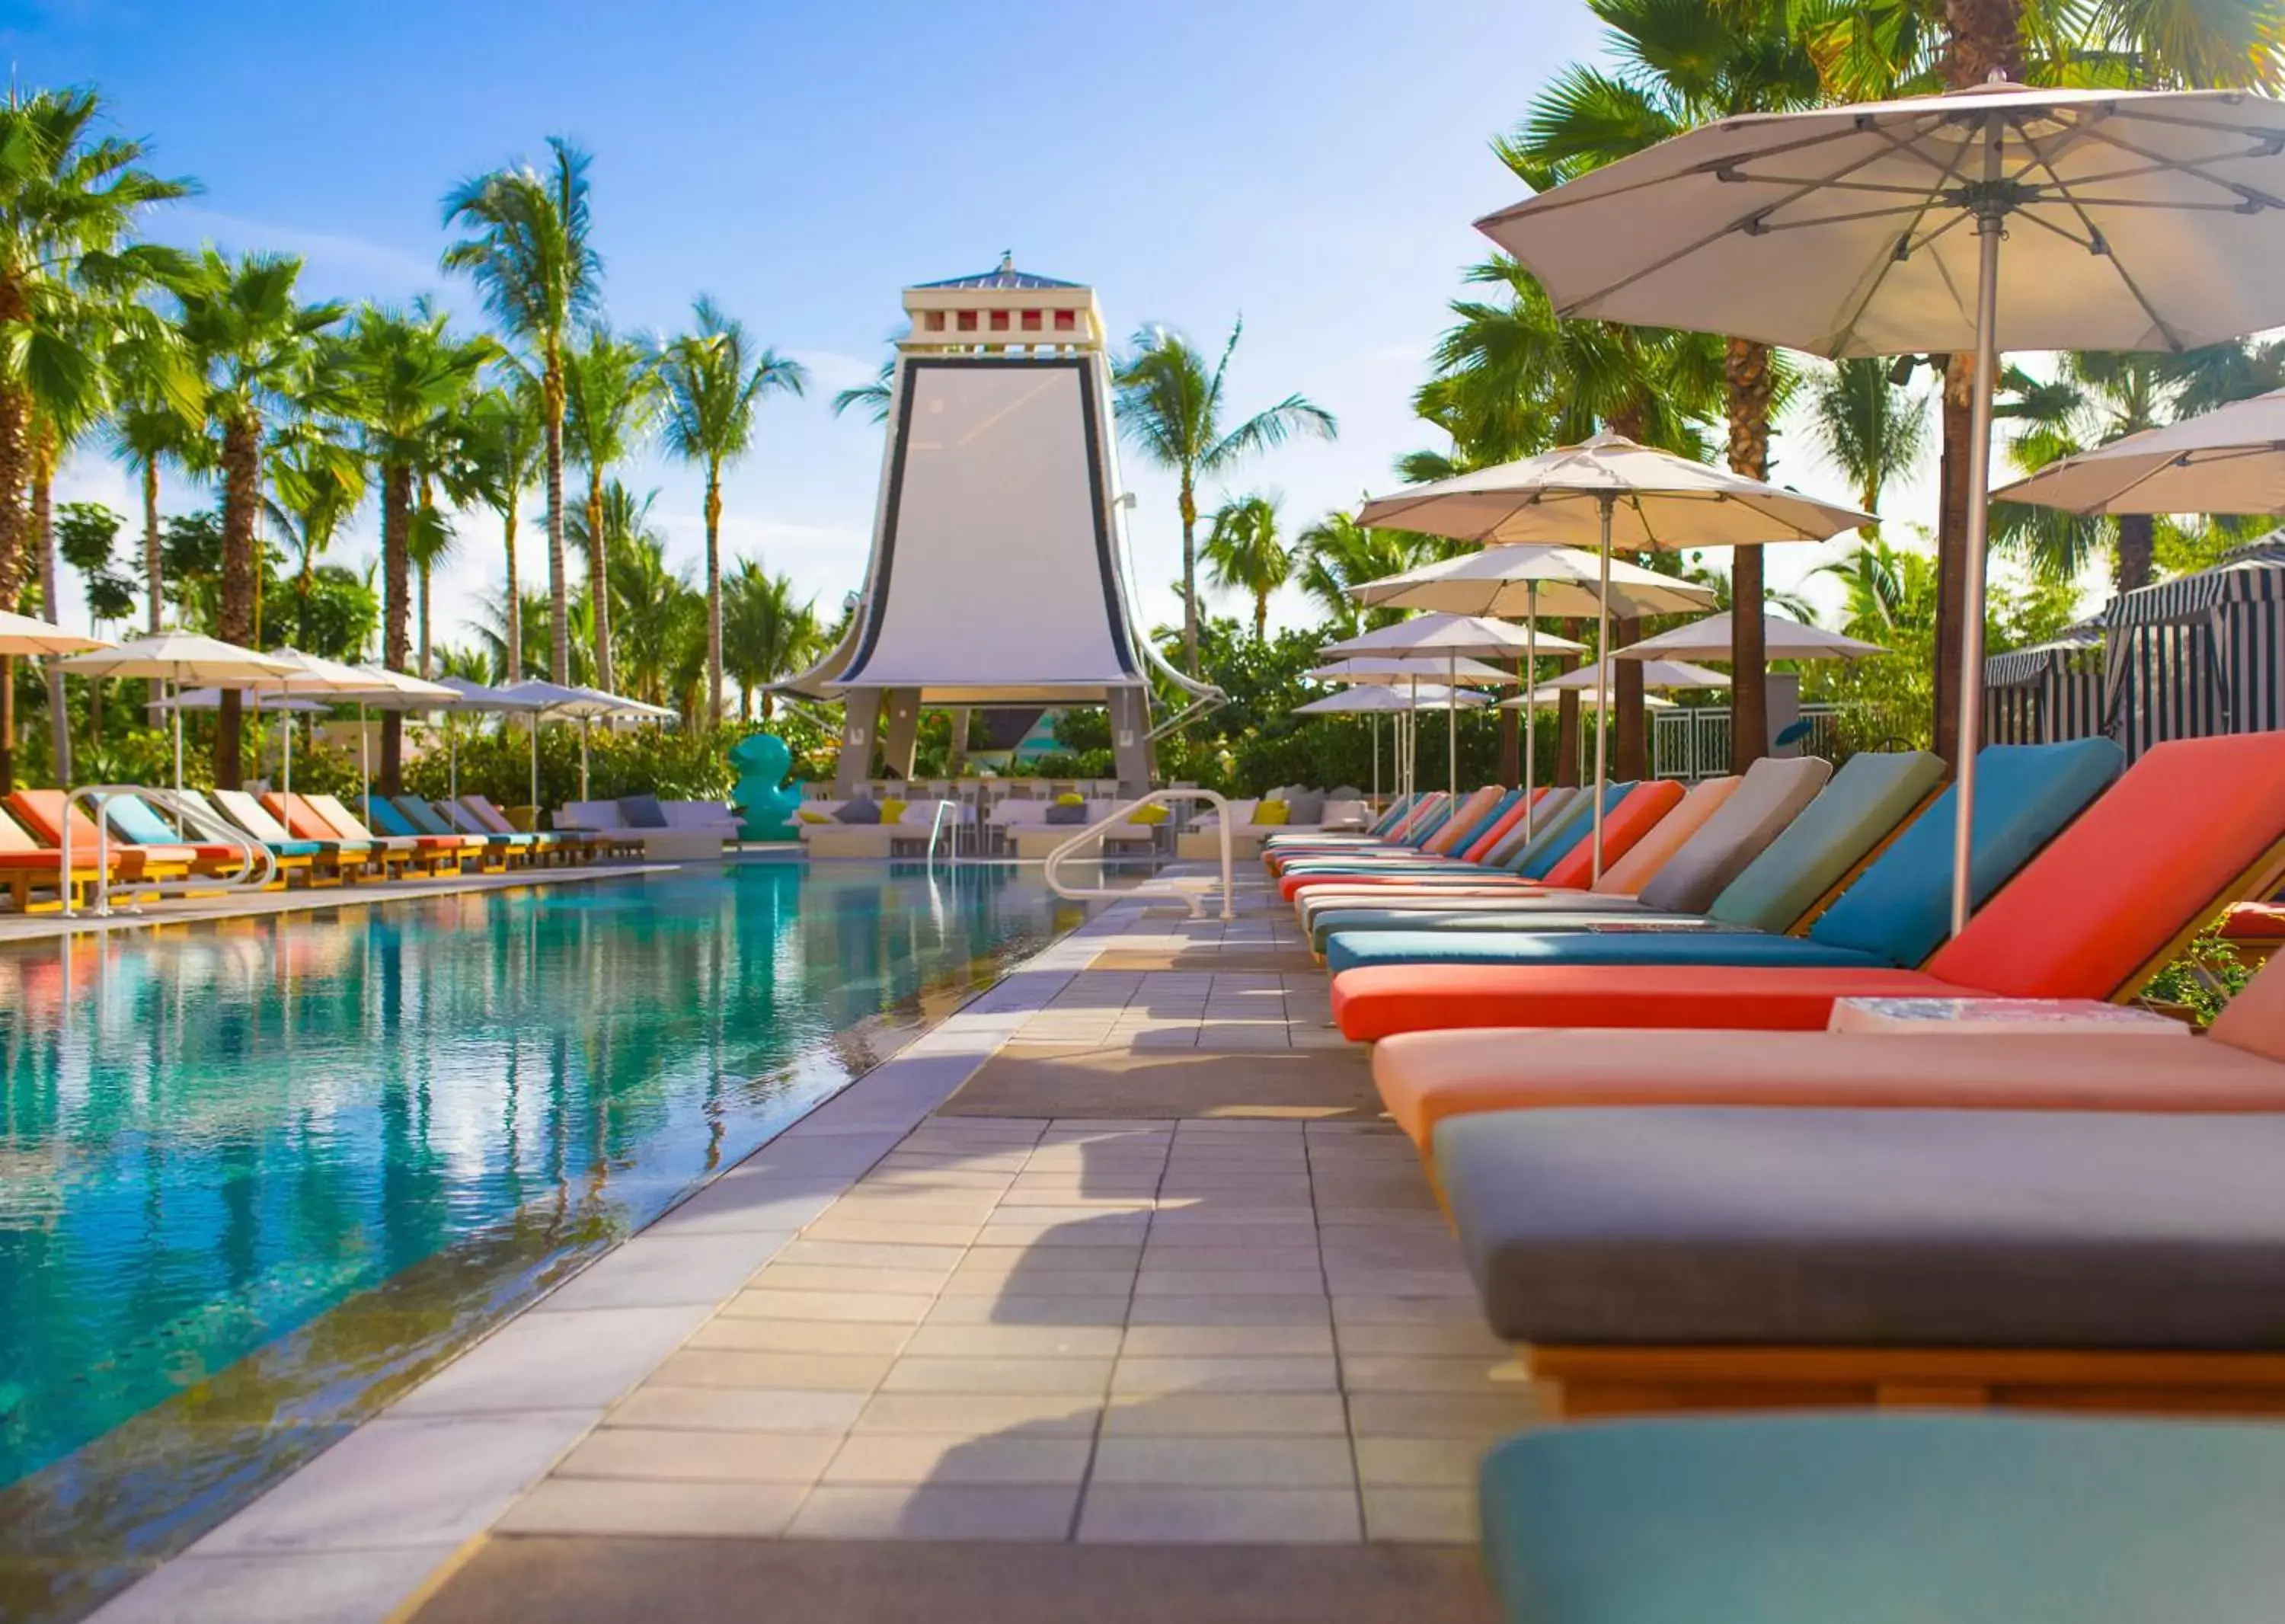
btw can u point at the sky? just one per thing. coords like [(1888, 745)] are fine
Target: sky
[(1311, 168)]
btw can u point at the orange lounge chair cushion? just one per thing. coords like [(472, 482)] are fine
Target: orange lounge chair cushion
[(1425, 1076), (1383, 1000), (2254, 922), (1478, 849), (43, 812), (1443, 840), (1633, 816)]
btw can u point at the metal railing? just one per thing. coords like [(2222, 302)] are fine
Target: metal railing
[(200, 827), (1191, 893), (1690, 742)]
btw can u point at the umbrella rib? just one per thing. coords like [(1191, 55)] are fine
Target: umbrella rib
[(1771, 228), (2096, 243), (2192, 168), (1845, 330)]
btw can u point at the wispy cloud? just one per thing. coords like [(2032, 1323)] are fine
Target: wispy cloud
[(831, 372), (329, 251)]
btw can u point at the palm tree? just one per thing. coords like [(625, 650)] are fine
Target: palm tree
[(316, 482), (1171, 405), (1243, 554), (609, 394), (428, 541), (2093, 399), (711, 382), (505, 447), (873, 397), (539, 275), (1674, 67), (766, 634), (257, 348), (404, 379), (1336, 554), (656, 618), (1868, 425), (149, 433)]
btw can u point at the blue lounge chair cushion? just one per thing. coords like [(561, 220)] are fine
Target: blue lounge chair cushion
[(381, 814), (1888, 1520), (1838, 1227), (132, 819), (1585, 938)]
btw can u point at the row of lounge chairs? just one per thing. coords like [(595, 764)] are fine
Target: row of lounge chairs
[(309, 839), (1694, 1210)]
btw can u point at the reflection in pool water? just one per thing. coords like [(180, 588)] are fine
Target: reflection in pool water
[(255, 1178)]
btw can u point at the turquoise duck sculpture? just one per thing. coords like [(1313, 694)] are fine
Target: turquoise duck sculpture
[(763, 793)]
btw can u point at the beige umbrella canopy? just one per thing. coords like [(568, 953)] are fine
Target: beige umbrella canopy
[(21, 634), (1658, 675), (1548, 695), (1998, 217), (1387, 668), (1524, 583), (180, 657), (1710, 638), (1618, 494), (1378, 700), (2229, 460)]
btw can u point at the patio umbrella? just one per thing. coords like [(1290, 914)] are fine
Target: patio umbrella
[(309, 674), (21, 634), (386, 689), (2229, 460), (210, 699), (1618, 494), (1441, 631), (1782, 638), (1658, 676), (584, 704), (178, 657), (1375, 701), (477, 697), (2151, 220)]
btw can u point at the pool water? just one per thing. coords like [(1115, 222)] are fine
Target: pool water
[(211, 1136)]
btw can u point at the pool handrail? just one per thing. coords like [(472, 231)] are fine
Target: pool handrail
[(189, 816), (1189, 892)]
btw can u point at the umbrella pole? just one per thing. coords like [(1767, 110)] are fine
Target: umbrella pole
[(364, 764), (1602, 675), (1530, 684), (531, 726), (1373, 723), (583, 757), (452, 735), (1452, 726), (174, 693), (1989, 227), (285, 725)]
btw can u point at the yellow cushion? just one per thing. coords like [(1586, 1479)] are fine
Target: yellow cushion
[(1071, 800), (1148, 814), (891, 810), (816, 816), (1270, 813)]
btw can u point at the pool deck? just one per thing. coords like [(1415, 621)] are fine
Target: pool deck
[(1110, 1298)]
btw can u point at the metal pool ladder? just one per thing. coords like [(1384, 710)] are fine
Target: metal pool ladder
[(1190, 891), (199, 826)]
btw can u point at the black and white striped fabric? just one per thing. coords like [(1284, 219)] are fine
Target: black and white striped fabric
[(2047, 692), (2201, 655)]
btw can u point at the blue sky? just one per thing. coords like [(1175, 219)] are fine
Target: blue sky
[(1314, 166)]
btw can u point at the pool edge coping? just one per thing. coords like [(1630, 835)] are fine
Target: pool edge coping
[(334, 1522)]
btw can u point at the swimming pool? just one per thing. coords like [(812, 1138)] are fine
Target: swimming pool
[(257, 1177)]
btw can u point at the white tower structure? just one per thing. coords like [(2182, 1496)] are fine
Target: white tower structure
[(998, 574)]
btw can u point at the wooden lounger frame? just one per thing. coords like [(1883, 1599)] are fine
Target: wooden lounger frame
[(1581, 1383)]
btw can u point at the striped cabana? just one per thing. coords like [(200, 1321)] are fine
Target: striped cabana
[(2046, 693), (2201, 655)]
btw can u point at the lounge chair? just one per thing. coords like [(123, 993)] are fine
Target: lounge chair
[(1428, 1077), (1697, 1258), (28, 865), (430, 855), (2193, 826), (494, 852), (387, 855), (332, 862), (1770, 795), (1458, 849), (1887, 1520), (43, 813), (582, 845), (537, 847), (390, 820), (131, 818), (665, 835), (1432, 838)]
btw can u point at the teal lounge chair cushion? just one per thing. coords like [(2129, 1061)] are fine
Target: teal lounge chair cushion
[(381, 813), (1560, 835), (1866, 799), (1900, 908), (1586, 939), (1888, 1520), (131, 818)]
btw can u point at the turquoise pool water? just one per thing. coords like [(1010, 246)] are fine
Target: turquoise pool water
[(424, 1112)]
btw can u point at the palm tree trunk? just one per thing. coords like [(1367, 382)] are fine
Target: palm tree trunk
[(15, 448), (2138, 541), (153, 561), (1750, 387), (713, 594), (241, 501), (1566, 717), (395, 535), (7, 723), (513, 649), (1189, 577), (1261, 618), (1630, 742), (598, 579), (559, 591), (425, 661), (44, 531), (1510, 735), (1985, 35)]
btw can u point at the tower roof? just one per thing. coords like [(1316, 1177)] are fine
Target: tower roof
[(1003, 275)]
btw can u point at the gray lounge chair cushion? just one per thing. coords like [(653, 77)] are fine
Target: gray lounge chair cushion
[(1767, 799), (859, 811), (1901, 1228), (1345, 792), (642, 811), (1063, 816), (1305, 807)]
